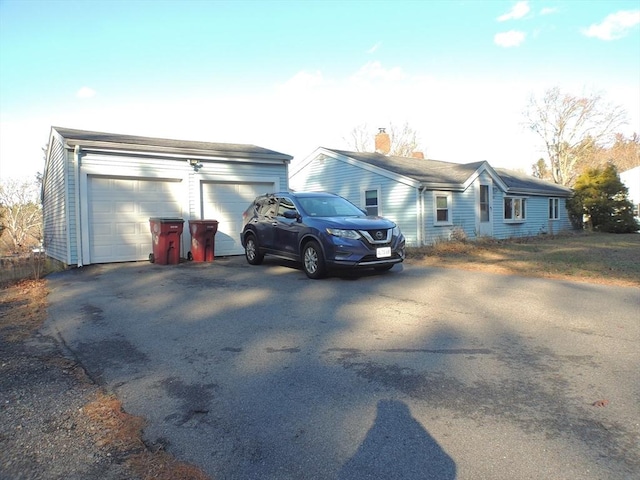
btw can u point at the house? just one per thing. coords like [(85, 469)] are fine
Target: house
[(433, 200), (100, 190), (631, 179)]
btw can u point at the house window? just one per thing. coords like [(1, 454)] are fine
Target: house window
[(484, 203), (553, 208), (515, 209), (442, 203), (371, 202)]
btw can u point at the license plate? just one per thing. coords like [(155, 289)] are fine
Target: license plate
[(383, 252)]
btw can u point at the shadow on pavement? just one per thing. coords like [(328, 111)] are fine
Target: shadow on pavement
[(398, 447)]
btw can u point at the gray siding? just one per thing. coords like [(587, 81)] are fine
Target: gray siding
[(400, 204), (56, 204), (462, 216), (537, 220), (464, 211)]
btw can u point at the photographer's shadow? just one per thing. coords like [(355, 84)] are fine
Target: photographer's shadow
[(398, 447)]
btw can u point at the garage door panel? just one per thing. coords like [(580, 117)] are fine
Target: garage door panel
[(225, 202), (126, 229), (102, 230), (119, 212), (125, 207)]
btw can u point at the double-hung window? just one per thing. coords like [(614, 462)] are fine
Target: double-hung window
[(515, 209), (372, 202), (442, 207), (554, 204)]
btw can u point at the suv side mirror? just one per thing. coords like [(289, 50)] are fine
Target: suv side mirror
[(291, 214)]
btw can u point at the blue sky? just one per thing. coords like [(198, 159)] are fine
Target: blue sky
[(292, 76)]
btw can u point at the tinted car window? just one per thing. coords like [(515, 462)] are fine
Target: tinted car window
[(284, 206), (329, 207), (268, 207)]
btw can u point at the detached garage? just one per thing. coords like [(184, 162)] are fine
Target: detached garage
[(100, 189)]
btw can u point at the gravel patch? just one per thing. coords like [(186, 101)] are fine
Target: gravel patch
[(45, 433)]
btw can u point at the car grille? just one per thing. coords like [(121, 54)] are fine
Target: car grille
[(377, 237)]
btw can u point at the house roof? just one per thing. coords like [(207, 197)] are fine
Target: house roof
[(526, 184), (423, 170), (438, 173), (86, 138)]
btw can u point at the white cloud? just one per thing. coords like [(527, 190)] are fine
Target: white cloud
[(374, 48), (548, 10), (614, 26), (519, 10), (512, 38), (303, 81), (86, 92), (375, 71)]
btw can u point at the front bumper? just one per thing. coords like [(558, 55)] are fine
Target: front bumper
[(344, 253)]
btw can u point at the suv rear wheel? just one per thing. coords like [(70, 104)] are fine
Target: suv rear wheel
[(251, 251), (313, 260)]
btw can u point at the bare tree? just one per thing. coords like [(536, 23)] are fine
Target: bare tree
[(541, 170), (569, 125), (360, 138), (404, 139), (624, 154), (21, 215)]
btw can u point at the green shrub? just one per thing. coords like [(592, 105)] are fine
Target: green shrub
[(600, 195)]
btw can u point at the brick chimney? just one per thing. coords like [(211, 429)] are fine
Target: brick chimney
[(418, 155), (383, 142)]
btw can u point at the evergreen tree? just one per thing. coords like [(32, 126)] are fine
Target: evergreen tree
[(600, 194)]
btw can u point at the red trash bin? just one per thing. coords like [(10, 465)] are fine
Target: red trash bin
[(203, 240), (165, 233)]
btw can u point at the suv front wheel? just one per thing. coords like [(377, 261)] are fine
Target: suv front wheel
[(251, 251), (313, 260)]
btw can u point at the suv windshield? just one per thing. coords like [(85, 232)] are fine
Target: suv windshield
[(329, 207)]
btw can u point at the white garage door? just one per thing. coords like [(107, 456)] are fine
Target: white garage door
[(225, 203), (119, 212)]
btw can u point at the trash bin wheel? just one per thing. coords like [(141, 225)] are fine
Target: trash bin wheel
[(152, 259)]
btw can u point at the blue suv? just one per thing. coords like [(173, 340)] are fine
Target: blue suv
[(323, 231)]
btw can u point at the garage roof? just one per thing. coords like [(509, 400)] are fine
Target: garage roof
[(85, 138)]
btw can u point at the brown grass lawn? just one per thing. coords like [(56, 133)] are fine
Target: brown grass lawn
[(590, 257)]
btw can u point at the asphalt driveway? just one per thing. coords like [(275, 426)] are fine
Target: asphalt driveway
[(259, 373)]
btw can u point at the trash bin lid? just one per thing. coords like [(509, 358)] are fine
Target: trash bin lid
[(166, 220)]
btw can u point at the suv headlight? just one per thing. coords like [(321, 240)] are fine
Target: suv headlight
[(339, 232), (396, 231)]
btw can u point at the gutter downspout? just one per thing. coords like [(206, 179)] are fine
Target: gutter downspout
[(76, 155), (421, 224)]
